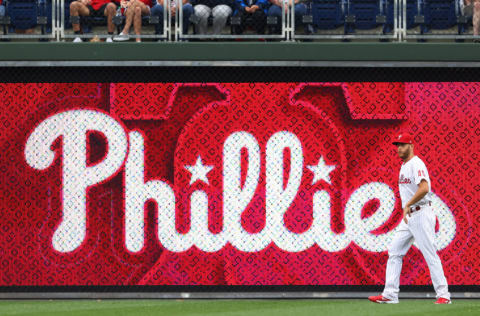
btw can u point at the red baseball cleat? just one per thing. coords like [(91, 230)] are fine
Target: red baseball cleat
[(382, 300), (442, 300)]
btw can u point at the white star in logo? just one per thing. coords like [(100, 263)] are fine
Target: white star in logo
[(321, 171), (199, 171)]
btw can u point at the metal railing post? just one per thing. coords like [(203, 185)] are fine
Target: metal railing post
[(404, 20), (62, 14), (291, 22), (178, 19)]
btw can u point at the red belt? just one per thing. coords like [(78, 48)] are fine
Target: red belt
[(418, 207)]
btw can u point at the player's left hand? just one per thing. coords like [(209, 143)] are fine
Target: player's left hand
[(406, 212)]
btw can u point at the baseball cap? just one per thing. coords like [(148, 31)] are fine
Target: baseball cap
[(404, 138)]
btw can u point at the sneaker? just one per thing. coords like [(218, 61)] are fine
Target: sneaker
[(77, 40), (382, 300), (108, 40), (442, 300), (121, 37)]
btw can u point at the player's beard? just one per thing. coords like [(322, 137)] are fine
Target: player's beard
[(406, 153)]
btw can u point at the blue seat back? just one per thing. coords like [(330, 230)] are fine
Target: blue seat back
[(388, 10), (365, 12), (440, 14), (45, 9), (327, 14), (23, 13), (412, 11)]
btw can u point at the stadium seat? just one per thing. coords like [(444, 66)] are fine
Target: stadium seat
[(387, 8), (5, 21), (414, 13), (23, 13), (307, 19), (365, 14), (271, 21), (436, 15), (27, 14), (439, 14), (87, 22), (67, 20), (194, 19), (45, 14), (119, 21), (328, 14), (463, 18)]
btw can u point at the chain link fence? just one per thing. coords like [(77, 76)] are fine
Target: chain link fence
[(200, 20)]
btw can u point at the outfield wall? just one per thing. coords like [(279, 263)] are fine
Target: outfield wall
[(229, 181)]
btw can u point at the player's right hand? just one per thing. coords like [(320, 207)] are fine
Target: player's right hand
[(407, 211)]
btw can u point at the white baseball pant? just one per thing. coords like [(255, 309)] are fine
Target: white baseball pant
[(421, 229)]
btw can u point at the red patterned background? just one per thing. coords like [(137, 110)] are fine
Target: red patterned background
[(349, 125)]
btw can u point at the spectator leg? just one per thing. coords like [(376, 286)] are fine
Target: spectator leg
[(187, 12), (220, 15), (476, 17), (157, 10), (203, 12), (259, 21), (77, 8), (140, 10), (137, 21), (300, 11), (128, 20), (275, 10), (2, 13), (109, 12), (238, 29)]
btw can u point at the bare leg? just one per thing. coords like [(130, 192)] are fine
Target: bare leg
[(140, 10), (109, 13), (137, 21), (77, 8), (129, 19), (476, 17)]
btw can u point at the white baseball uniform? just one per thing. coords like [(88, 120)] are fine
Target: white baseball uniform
[(420, 228)]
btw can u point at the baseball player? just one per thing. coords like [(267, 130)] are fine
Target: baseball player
[(418, 224)]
